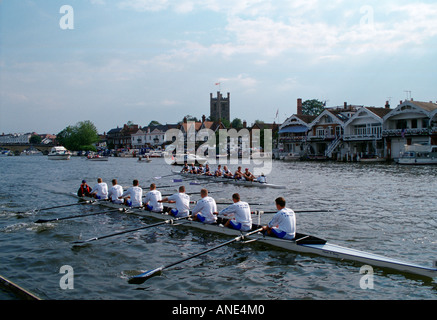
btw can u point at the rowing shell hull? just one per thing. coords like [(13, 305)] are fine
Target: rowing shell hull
[(308, 244), (243, 183)]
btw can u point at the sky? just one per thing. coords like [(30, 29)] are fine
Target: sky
[(111, 62)]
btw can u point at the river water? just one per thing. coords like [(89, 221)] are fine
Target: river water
[(382, 208)]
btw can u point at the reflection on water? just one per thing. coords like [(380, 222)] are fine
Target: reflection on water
[(385, 209)]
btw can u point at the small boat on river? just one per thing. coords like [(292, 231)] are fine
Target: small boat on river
[(418, 154), (59, 153), (238, 182)]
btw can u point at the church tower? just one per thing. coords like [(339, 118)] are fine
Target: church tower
[(220, 107)]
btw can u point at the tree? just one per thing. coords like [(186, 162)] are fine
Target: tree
[(313, 107), (154, 123), (35, 139), (237, 123), (80, 137)]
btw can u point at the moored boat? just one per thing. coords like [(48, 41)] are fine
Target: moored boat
[(418, 154), (302, 244), (59, 153)]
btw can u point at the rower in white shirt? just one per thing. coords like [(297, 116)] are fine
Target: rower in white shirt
[(134, 195), (115, 192), (182, 201), (283, 224), (152, 199), (205, 209), (100, 190), (240, 211)]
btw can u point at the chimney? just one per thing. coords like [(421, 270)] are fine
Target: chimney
[(387, 105), (345, 105), (203, 118), (299, 106), (244, 124)]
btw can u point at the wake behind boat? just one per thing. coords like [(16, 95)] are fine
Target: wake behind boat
[(302, 243)]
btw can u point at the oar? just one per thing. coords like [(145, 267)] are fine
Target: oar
[(63, 206), (138, 279), (250, 204), (131, 230), (296, 211), (78, 216)]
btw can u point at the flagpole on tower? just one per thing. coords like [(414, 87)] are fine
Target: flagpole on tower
[(220, 85)]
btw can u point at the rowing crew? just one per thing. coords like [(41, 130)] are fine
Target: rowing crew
[(225, 172), (282, 225)]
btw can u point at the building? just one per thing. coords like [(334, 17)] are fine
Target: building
[(220, 107), (363, 133), (293, 132), (412, 122)]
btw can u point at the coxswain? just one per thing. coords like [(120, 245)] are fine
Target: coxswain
[(240, 212), (152, 199), (84, 190), (205, 209), (100, 190), (283, 223), (133, 195), (262, 178), (248, 175), (182, 201), (115, 192)]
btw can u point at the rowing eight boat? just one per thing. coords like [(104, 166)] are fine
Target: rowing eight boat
[(302, 244), (244, 183)]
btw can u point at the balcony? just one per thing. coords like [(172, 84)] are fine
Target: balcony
[(361, 137), (407, 132)]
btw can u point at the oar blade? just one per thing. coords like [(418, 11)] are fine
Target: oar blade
[(140, 278)]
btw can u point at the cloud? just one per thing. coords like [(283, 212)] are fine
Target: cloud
[(144, 5)]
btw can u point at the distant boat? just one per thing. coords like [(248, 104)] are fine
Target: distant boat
[(418, 154), (96, 157), (59, 153)]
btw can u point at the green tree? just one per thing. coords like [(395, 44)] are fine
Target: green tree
[(154, 123), (80, 137), (313, 107), (35, 139), (237, 123)]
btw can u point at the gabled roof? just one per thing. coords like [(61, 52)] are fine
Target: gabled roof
[(300, 120), (337, 117), (375, 113), (427, 108)]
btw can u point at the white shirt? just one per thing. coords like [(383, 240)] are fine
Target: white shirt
[(152, 197), (182, 203), (115, 192), (241, 213), (136, 196), (284, 220), (206, 207), (101, 189)]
